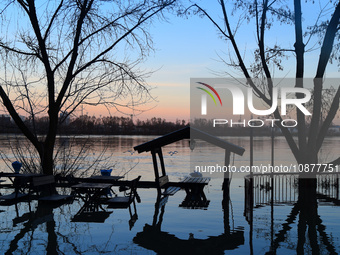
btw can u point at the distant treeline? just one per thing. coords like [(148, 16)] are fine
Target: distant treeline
[(113, 125), (92, 125)]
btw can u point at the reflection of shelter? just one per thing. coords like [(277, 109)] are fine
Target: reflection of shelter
[(152, 238), (155, 147)]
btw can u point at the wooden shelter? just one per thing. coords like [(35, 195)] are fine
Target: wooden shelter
[(155, 147)]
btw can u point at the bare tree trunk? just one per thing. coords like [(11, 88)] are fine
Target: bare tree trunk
[(299, 51)]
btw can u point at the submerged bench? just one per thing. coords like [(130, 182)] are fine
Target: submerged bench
[(169, 191), (21, 184), (188, 183)]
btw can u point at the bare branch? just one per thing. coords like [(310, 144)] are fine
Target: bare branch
[(74, 43), (4, 46), (210, 18), (84, 10), (325, 53), (53, 19), (10, 108), (239, 57), (328, 121)]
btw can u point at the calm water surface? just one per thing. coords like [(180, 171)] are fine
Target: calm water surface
[(28, 229)]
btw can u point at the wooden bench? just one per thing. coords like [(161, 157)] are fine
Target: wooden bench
[(169, 191), (19, 184), (45, 187)]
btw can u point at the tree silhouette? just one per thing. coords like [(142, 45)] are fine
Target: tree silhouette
[(58, 55), (266, 15)]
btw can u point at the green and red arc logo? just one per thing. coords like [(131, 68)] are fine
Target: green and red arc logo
[(209, 93)]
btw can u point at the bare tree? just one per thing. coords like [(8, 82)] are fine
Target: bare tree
[(58, 55), (265, 15)]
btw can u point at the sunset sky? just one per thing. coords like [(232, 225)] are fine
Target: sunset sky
[(185, 48), (190, 48)]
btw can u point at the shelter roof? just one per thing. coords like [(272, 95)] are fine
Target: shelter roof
[(188, 133)]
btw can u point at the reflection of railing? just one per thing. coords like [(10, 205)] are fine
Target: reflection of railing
[(284, 189), (328, 187)]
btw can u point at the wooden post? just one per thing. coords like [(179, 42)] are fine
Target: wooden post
[(272, 140), (155, 168), (272, 194), (337, 186), (226, 194), (161, 159), (226, 181), (251, 191)]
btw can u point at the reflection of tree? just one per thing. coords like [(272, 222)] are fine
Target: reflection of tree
[(66, 239), (309, 223), (43, 214), (309, 218), (307, 205), (281, 235)]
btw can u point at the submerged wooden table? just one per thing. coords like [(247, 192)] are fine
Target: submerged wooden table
[(195, 197), (90, 193)]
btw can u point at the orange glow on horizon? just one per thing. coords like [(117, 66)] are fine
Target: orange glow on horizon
[(173, 102)]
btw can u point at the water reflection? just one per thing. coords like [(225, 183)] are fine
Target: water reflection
[(49, 230), (300, 228), (303, 195), (153, 238), (280, 217), (43, 214)]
